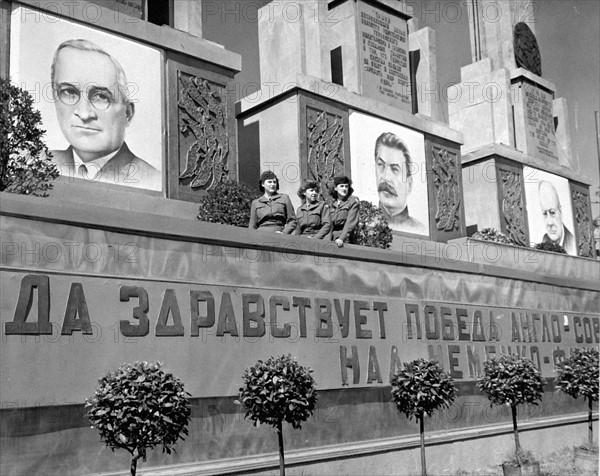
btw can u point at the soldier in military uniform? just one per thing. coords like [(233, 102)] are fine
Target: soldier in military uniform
[(313, 215), (344, 211), (273, 211)]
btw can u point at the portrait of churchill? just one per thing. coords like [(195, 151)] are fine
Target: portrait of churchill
[(555, 229), (395, 182), (94, 110)]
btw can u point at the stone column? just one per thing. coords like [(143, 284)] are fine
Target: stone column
[(289, 40), (428, 89), (563, 135), (188, 16), (491, 24)]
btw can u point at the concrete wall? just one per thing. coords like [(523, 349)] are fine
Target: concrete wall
[(479, 180), (46, 377)]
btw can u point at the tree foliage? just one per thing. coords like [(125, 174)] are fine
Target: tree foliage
[(25, 163), (421, 388), (372, 228), (277, 390), (139, 407), (418, 390), (511, 379), (227, 203), (578, 375)]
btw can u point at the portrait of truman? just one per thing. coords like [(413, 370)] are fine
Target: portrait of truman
[(100, 98), (93, 109)]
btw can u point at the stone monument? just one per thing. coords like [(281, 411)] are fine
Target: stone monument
[(516, 132), (97, 274), (183, 123), (345, 73)]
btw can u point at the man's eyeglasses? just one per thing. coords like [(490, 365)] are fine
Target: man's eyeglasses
[(99, 98)]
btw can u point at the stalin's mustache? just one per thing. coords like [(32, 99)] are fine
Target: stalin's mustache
[(386, 187)]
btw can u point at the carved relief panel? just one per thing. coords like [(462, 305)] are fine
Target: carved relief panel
[(324, 135), (201, 133), (582, 216), (511, 194), (447, 193), (203, 130), (444, 184), (527, 51)]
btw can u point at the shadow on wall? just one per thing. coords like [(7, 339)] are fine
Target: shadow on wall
[(249, 152)]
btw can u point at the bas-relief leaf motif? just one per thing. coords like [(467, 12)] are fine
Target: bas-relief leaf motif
[(202, 116), (448, 195), (513, 211), (325, 139), (583, 224)]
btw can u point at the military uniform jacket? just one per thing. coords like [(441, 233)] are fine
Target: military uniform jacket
[(314, 220), (344, 218), (274, 214)]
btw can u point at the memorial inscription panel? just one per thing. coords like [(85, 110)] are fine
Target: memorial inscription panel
[(384, 64), (539, 121)]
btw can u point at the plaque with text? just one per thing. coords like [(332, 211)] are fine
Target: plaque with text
[(533, 105), (384, 64)]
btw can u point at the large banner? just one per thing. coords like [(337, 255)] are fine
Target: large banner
[(77, 302), (85, 326), (388, 163), (100, 97)]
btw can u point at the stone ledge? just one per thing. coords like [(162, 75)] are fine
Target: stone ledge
[(511, 153), (518, 73), (313, 85), (86, 194), (434, 256), (162, 37), (528, 259)]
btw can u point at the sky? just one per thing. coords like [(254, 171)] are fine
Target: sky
[(567, 32)]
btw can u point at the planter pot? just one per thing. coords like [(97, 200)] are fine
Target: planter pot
[(530, 469), (586, 460)]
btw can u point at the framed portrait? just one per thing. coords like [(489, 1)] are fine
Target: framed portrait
[(104, 108), (549, 210), (388, 170)]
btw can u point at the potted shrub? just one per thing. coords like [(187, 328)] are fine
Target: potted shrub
[(227, 203), (418, 390), (513, 380), (577, 376), (372, 228), (25, 163), (492, 235), (277, 390), (139, 407)]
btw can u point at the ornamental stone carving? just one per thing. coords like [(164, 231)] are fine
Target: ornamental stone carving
[(325, 141), (202, 118), (513, 210), (447, 189), (583, 224), (527, 51)]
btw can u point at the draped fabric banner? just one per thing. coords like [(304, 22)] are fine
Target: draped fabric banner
[(82, 326), (77, 302)]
